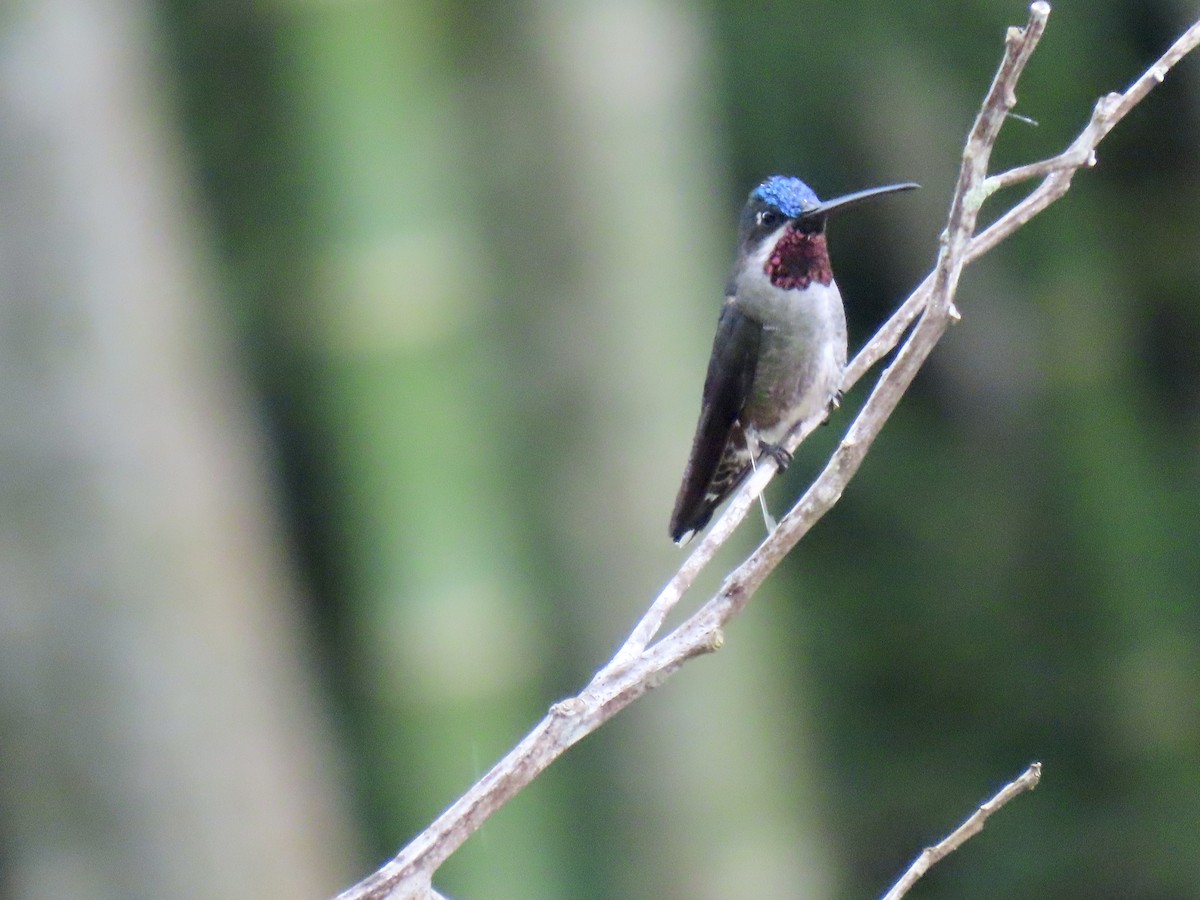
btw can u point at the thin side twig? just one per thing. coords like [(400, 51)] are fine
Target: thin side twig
[(1058, 171), (974, 823)]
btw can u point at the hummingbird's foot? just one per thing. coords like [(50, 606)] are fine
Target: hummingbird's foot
[(782, 458), (834, 403)]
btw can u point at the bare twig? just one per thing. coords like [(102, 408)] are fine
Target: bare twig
[(1058, 171), (974, 823), (640, 665)]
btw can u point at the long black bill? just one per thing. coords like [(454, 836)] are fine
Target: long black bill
[(828, 206)]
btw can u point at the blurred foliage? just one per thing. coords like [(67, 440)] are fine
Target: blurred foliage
[(475, 251)]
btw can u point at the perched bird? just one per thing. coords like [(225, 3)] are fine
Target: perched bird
[(780, 348)]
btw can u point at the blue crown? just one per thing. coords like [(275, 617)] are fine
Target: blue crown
[(789, 195)]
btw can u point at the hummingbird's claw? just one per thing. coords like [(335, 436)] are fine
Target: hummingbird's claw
[(835, 403), (782, 458)]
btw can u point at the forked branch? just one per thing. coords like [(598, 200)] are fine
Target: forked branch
[(642, 662)]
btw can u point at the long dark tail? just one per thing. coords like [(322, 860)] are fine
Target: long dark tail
[(699, 496)]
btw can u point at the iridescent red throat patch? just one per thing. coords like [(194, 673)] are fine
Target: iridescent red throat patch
[(798, 260)]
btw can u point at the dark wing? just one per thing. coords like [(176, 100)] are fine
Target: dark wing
[(716, 464)]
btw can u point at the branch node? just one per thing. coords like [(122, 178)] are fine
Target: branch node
[(568, 708), (1108, 104), (975, 197)]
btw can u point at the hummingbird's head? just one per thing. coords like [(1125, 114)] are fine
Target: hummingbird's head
[(773, 204), (783, 223)]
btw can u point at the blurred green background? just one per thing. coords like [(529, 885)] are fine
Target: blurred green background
[(349, 358)]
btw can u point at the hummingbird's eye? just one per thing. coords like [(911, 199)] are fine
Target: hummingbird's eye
[(768, 218)]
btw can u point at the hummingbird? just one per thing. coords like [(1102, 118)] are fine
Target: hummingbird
[(780, 348)]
